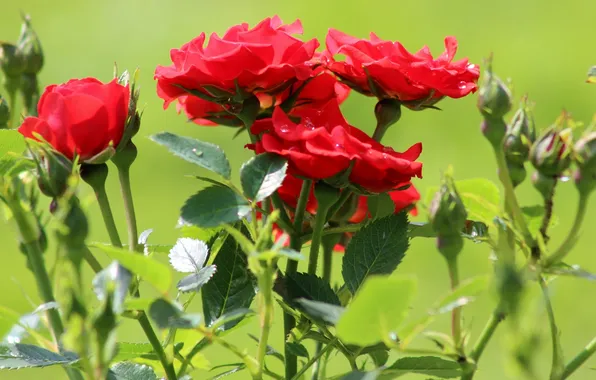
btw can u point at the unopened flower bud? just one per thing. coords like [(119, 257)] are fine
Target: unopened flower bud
[(387, 112), (521, 133), (54, 170), (544, 184), (447, 212), (550, 153), (517, 173), (585, 150), (11, 61), (4, 113), (29, 48), (494, 98), (126, 155)]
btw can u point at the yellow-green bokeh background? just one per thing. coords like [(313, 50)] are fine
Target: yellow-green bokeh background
[(545, 46)]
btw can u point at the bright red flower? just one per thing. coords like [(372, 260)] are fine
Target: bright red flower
[(82, 117), (266, 58), (323, 144), (396, 72)]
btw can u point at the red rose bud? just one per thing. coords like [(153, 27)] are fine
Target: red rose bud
[(29, 48), (550, 154), (83, 118), (521, 134), (4, 113), (585, 150), (386, 69)]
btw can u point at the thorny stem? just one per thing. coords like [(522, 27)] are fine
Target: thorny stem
[(265, 280), (291, 361), (569, 242), (487, 333), (580, 359), (548, 214)]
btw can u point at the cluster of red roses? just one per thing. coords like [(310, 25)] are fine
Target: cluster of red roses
[(285, 92)]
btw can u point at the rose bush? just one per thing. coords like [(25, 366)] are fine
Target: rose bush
[(82, 117)]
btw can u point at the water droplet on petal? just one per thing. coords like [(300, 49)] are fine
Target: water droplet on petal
[(284, 128), (388, 149), (462, 85), (308, 124), (339, 146), (471, 66)]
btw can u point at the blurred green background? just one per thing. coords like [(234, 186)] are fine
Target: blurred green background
[(546, 47)]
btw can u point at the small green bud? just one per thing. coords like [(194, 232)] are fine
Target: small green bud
[(54, 170), (387, 112), (550, 153), (4, 113), (494, 130), (450, 245), (29, 48), (544, 184), (126, 156), (494, 98), (517, 173), (447, 213), (11, 61), (95, 175), (521, 133)]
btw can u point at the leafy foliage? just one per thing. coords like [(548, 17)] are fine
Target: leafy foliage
[(262, 175), (214, 206), (15, 356)]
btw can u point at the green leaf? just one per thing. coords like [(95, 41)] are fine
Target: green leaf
[(131, 371), (377, 248), (371, 318), (12, 145), (204, 154), (423, 365), (359, 375), (230, 317), (113, 281), (150, 270), (309, 286), (297, 349), (214, 206), (129, 351), (262, 175), (188, 255), (195, 281), (320, 311), (239, 367), (379, 357), (167, 315), (575, 270), (15, 356), (534, 215), (465, 293), (25, 324), (480, 196), (380, 206), (231, 288)]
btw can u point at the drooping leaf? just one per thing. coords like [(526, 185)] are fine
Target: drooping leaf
[(320, 311), (194, 282), (309, 286), (131, 371), (380, 206), (480, 196), (15, 356), (231, 288), (465, 293), (262, 175), (167, 315), (423, 365), (377, 310), (214, 206), (297, 349), (149, 269), (377, 248), (188, 255), (27, 323), (113, 279), (129, 351), (204, 154)]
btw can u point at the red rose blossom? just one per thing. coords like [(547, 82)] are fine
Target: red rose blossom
[(82, 117), (266, 58), (398, 73), (323, 144)]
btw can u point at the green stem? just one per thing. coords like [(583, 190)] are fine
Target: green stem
[(108, 217), (129, 209), (571, 239), (557, 361), (157, 347), (91, 260), (327, 263), (313, 258), (193, 352), (487, 333), (456, 312), (314, 359), (291, 360), (279, 204), (512, 205), (580, 359), (265, 281), (343, 198)]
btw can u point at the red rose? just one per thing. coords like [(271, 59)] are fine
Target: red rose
[(266, 58), (398, 73), (401, 198), (82, 117), (323, 144)]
